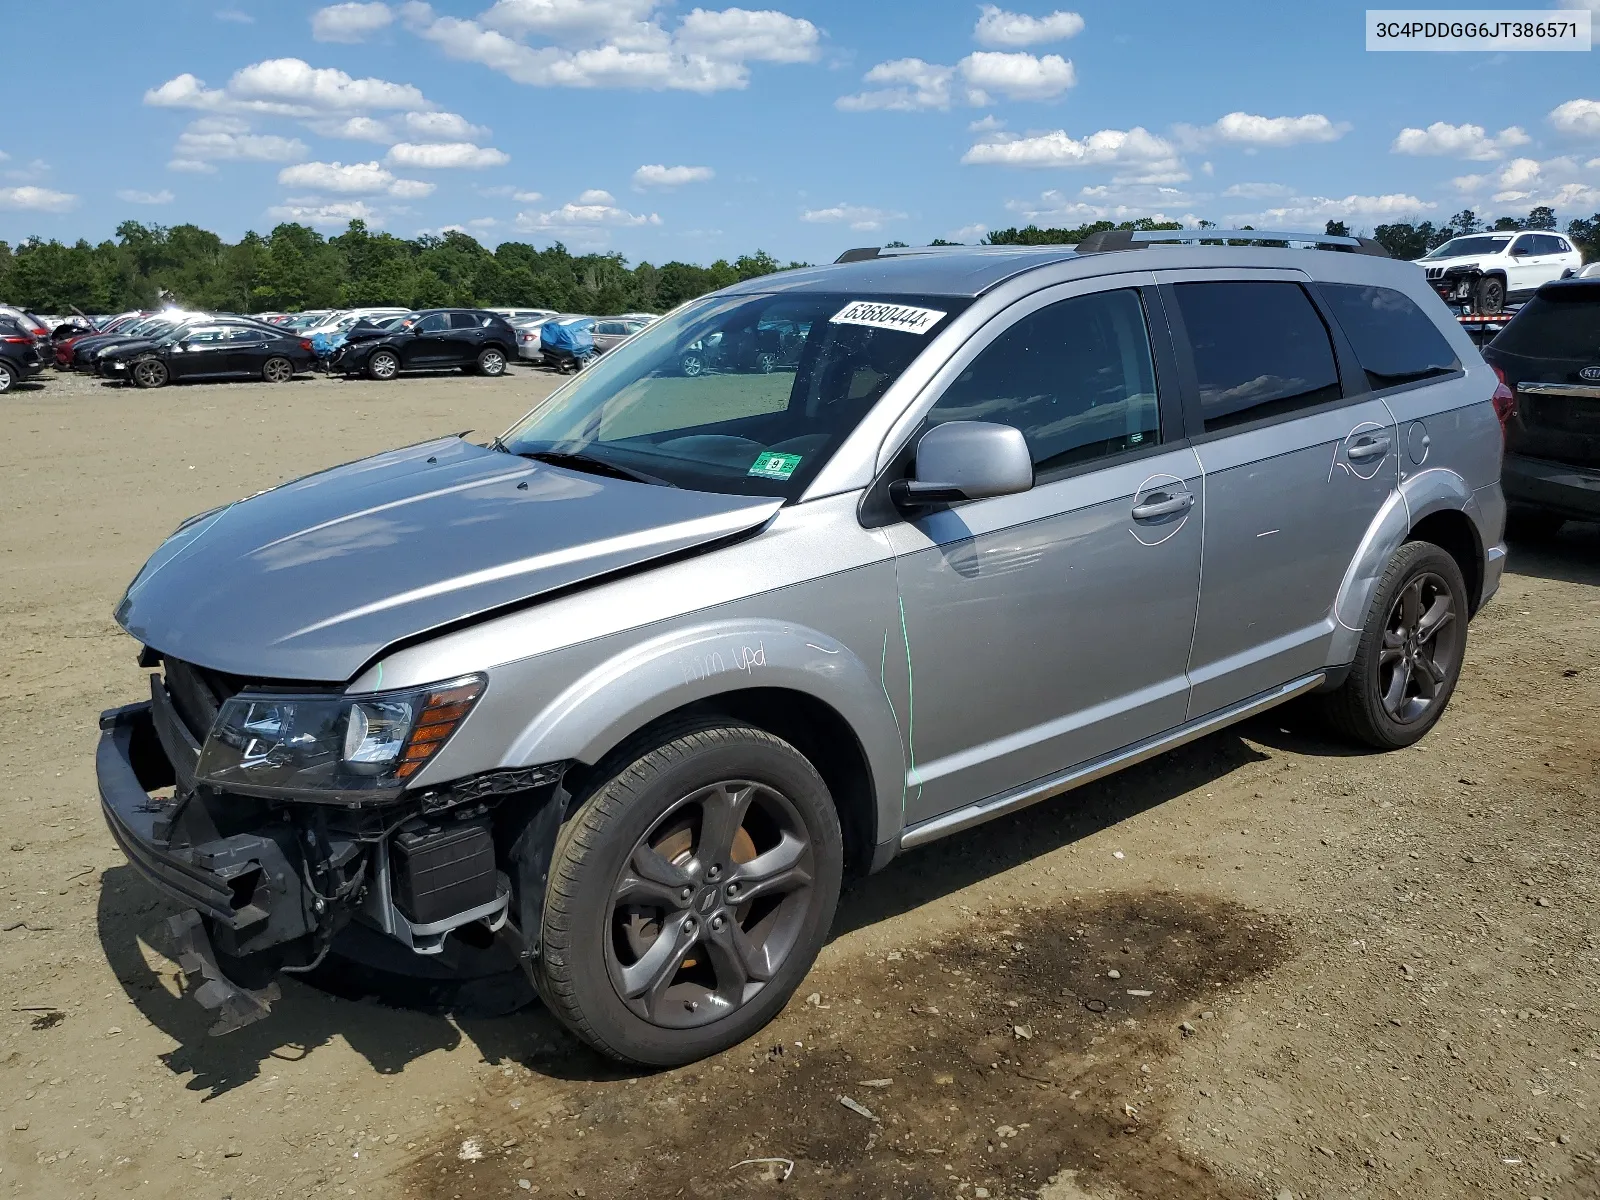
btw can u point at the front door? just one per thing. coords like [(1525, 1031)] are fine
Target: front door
[(1048, 628), (1297, 461)]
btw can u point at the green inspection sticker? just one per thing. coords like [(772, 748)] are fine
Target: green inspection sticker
[(774, 466)]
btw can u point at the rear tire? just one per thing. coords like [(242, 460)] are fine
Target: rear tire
[(277, 370), (1489, 296), (149, 373), (692, 364), (1410, 653), (8, 377), (383, 365), (492, 362), (722, 838)]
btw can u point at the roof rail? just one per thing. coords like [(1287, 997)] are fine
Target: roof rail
[(865, 253), (1136, 239)]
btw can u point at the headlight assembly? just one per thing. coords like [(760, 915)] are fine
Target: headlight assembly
[(332, 747)]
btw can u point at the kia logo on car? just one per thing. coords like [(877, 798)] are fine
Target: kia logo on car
[(1592, 374)]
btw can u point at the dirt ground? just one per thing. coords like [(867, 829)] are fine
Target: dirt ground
[(1262, 966)]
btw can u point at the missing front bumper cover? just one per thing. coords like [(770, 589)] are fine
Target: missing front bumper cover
[(235, 1006)]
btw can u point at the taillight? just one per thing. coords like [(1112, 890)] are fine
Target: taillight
[(1504, 400), (20, 341), (304, 345)]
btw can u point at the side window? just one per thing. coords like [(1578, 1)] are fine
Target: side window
[(205, 335), (1524, 245), (1075, 377), (463, 321), (1562, 246), (243, 333), (1260, 350), (1393, 338), (434, 323)]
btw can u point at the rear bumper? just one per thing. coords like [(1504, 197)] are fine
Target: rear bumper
[(1574, 492)]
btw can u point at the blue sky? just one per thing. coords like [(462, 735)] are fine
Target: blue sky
[(664, 131)]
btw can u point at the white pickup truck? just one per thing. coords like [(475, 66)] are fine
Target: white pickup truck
[(1485, 271)]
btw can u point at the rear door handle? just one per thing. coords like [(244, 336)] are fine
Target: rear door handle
[(1163, 504), (1373, 447)]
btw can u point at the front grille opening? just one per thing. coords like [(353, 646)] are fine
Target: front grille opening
[(198, 694)]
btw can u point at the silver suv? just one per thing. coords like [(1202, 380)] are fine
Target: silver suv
[(632, 687)]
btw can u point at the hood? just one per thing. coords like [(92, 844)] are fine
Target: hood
[(1459, 260), (127, 346), (313, 579)]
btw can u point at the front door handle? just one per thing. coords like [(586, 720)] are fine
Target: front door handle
[(1162, 504), (1372, 447)]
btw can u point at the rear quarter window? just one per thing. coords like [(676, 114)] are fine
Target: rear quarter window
[(1395, 341)]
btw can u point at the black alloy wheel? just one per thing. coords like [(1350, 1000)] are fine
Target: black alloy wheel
[(277, 370), (383, 364), (1410, 653), (689, 895), (492, 361), (1490, 296), (150, 373), (7, 377)]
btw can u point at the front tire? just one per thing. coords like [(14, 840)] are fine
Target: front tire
[(383, 365), (1490, 295), (1410, 653), (689, 894), (492, 362), (150, 373)]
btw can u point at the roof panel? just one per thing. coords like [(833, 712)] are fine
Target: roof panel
[(969, 271)]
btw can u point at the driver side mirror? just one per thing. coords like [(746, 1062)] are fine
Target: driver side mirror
[(966, 460), (1519, 251)]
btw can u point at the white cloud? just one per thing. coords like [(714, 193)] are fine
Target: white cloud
[(910, 84), (350, 22), (1557, 182), (1458, 141), (440, 127), (133, 196), (907, 84), (527, 197), (234, 16), (446, 155), (618, 43), (353, 179), (1580, 117), (581, 216), (967, 233), (996, 27), (288, 87), (1138, 155), (326, 216), (596, 196), (1249, 129), (859, 217), (1017, 76), (986, 124), (658, 175), (1055, 208), (37, 199), (1307, 211), (740, 35), (1258, 191), (483, 222), (219, 139)]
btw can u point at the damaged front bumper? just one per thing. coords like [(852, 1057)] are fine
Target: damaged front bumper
[(269, 884)]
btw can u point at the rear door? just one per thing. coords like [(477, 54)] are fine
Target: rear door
[(203, 351), (465, 337), (1298, 455), (247, 350), (1049, 628)]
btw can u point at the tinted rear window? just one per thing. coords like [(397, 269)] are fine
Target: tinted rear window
[(1393, 338), (1561, 322), (1260, 350)]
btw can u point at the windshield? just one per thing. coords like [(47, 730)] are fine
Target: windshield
[(748, 395), (1561, 322), (1480, 244)]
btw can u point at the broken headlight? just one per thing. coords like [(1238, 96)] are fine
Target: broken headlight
[(332, 747)]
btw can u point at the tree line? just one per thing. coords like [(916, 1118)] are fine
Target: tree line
[(294, 267)]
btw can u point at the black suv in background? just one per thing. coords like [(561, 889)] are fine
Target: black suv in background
[(1549, 356), (434, 339), (19, 354)]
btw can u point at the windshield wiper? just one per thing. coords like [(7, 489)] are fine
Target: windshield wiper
[(587, 462)]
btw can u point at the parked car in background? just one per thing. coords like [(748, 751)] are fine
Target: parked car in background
[(63, 349), (528, 344), (432, 339), (518, 315), (1486, 271), (1548, 357), (20, 357), (346, 319), (610, 331), (566, 343), (633, 682), (212, 349), (88, 351), (309, 319)]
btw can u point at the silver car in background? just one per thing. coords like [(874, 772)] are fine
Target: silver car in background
[(637, 683)]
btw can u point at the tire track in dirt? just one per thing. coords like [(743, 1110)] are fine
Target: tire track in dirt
[(994, 1060)]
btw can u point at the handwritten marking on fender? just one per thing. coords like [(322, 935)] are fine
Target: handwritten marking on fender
[(742, 657)]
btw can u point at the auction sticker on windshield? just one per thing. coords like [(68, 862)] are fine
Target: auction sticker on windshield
[(904, 317), (774, 466)]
